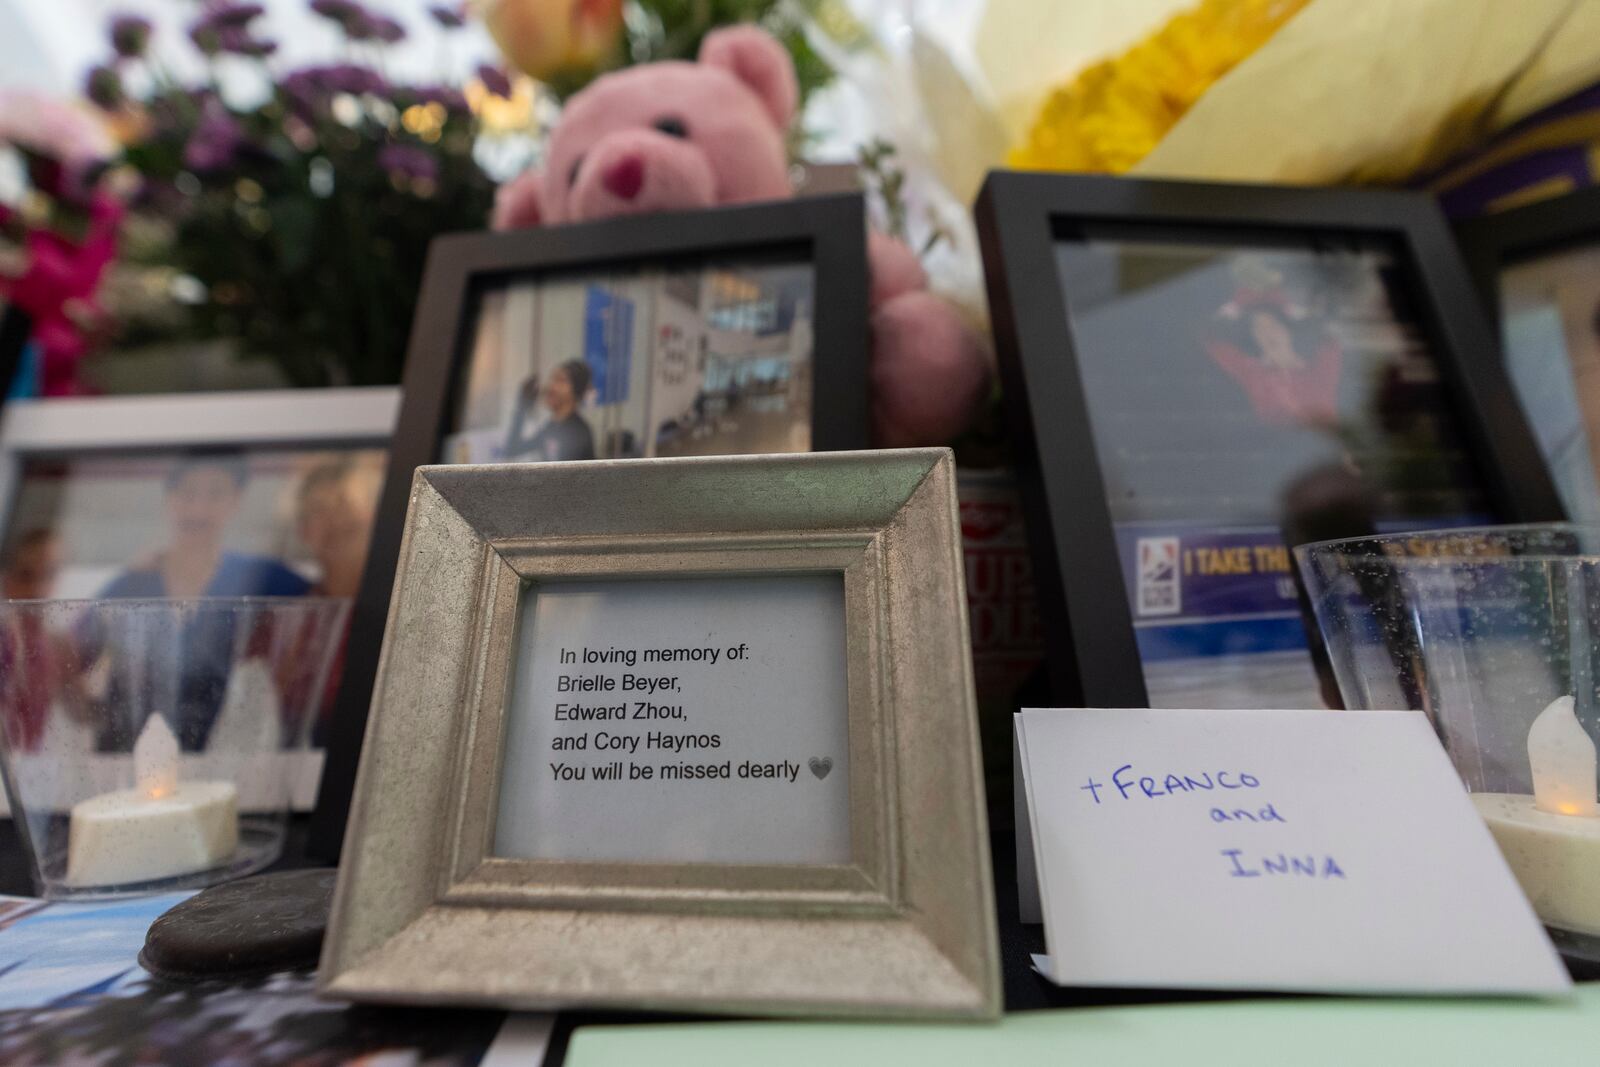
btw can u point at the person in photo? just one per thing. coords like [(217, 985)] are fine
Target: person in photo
[(31, 566), (1287, 367), (201, 496), (334, 511), (36, 667), (564, 435)]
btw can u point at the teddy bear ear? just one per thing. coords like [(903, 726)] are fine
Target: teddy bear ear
[(517, 204), (756, 58)]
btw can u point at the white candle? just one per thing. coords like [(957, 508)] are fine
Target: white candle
[(159, 828), (1551, 840)]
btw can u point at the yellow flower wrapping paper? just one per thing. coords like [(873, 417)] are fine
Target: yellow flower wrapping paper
[(1322, 92), (1116, 111)]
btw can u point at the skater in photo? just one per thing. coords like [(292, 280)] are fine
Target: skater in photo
[(564, 434)]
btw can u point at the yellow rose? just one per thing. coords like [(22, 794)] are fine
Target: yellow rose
[(553, 39)]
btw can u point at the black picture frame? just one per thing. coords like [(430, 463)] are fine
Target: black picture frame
[(1077, 568), (829, 230), (1490, 243)]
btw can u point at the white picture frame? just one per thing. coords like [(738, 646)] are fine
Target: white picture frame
[(268, 417), (278, 418)]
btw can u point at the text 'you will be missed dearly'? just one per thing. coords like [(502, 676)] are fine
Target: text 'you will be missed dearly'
[(646, 712)]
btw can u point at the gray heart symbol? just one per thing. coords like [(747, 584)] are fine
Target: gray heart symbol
[(821, 765)]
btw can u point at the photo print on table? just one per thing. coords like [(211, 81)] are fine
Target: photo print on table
[(72, 992)]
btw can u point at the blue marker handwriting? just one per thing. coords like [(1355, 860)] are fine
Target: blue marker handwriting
[(1307, 866), (1266, 814), (1126, 784), (1130, 786)]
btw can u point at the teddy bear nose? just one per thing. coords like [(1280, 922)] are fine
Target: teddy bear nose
[(624, 178)]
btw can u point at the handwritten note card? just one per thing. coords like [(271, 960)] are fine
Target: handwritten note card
[(1269, 850)]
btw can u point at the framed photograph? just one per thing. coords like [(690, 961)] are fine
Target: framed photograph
[(1538, 268), (207, 494), (725, 331), (1201, 376), (688, 735)]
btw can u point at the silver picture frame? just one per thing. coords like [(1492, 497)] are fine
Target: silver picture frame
[(424, 914)]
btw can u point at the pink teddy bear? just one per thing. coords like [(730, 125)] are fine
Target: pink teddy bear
[(675, 136)]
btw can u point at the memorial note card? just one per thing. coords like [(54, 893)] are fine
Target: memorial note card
[(1312, 851)]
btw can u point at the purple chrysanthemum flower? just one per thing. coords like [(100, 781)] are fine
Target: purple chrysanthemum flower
[(299, 83), (206, 37), (494, 79), (340, 11), (244, 43), (310, 87), (224, 26), (103, 86), (216, 140), (388, 30), (408, 162), (448, 16), (358, 22), (370, 27), (130, 35), (227, 14), (358, 79)]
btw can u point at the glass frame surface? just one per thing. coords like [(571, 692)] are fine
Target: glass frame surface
[(1020, 217), (1493, 244), (268, 420)]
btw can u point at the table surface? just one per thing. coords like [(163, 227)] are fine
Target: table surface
[(1305, 1031), (1025, 990)]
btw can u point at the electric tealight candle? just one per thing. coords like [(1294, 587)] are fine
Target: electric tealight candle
[(159, 828), (1551, 839)]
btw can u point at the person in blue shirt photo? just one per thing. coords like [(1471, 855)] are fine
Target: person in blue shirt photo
[(201, 497)]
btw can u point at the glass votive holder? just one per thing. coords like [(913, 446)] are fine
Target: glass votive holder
[(153, 745), (1494, 632)]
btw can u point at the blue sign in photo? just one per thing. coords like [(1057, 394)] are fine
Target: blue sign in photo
[(608, 343)]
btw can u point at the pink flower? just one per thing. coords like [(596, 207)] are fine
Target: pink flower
[(51, 127), (57, 290)]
